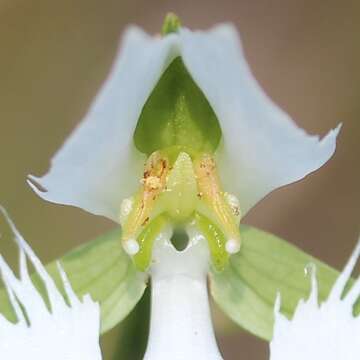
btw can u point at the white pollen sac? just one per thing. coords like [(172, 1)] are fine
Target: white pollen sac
[(68, 330), (328, 331), (131, 247), (232, 246)]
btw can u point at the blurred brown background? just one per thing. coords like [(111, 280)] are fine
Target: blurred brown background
[(306, 53)]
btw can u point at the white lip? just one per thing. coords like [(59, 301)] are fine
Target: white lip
[(66, 331), (181, 326), (321, 331)]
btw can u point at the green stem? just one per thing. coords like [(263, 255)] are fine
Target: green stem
[(134, 331)]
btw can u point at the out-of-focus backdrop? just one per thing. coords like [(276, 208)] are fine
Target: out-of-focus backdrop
[(306, 54)]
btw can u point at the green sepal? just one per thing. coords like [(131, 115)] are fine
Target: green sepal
[(102, 269), (134, 331), (246, 290), (177, 114)]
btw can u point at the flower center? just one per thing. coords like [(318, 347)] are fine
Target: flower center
[(178, 189), (179, 131)]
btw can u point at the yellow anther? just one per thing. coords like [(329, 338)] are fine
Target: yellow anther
[(153, 183), (211, 193)]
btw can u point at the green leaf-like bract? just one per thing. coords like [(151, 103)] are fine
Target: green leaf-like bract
[(102, 269), (246, 290)]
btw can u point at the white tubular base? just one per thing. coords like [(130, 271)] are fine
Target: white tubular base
[(181, 327)]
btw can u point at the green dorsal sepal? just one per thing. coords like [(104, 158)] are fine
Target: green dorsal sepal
[(172, 24), (177, 114)]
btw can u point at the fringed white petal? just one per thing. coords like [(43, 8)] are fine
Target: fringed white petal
[(65, 331), (181, 325), (327, 331), (262, 148)]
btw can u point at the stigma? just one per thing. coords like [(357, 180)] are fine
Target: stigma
[(178, 189)]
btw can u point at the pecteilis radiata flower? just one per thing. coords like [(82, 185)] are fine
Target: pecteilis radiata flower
[(181, 139), (186, 105), (328, 330), (62, 329)]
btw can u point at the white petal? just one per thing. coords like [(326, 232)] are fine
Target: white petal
[(262, 147), (181, 325), (65, 331), (327, 331), (98, 165)]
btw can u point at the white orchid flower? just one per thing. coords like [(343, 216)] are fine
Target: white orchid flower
[(64, 331), (187, 105), (329, 330), (257, 147)]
